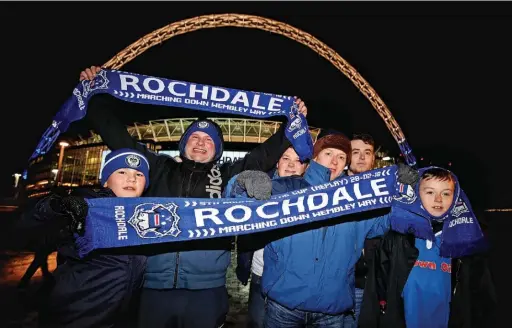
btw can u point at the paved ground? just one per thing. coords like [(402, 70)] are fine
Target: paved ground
[(16, 310)]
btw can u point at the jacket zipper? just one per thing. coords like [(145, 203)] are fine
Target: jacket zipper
[(178, 253), (176, 269), (457, 278)]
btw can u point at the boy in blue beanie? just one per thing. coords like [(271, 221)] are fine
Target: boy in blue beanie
[(98, 290), (125, 172)]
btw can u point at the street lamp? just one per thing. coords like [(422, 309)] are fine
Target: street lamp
[(62, 145), (55, 171), (16, 179)]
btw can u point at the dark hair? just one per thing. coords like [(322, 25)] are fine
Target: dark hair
[(439, 174), (366, 138), (326, 132)]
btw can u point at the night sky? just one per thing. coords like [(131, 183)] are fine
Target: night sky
[(442, 69)]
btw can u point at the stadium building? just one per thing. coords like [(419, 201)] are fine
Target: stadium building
[(77, 162)]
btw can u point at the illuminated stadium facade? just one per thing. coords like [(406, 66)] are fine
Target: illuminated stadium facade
[(83, 157)]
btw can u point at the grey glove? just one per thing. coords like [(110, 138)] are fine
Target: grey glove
[(257, 184), (407, 175)]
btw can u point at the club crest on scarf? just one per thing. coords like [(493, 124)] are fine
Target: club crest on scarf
[(100, 82), (460, 208), (406, 194), (295, 124), (152, 220)]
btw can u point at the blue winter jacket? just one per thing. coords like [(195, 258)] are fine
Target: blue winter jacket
[(314, 270), (247, 244)]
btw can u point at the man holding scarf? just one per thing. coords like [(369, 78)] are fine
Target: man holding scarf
[(186, 288)]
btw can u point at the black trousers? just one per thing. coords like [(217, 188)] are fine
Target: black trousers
[(183, 308)]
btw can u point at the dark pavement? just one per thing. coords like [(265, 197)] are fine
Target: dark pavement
[(17, 308)]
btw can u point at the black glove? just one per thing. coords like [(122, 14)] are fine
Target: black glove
[(243, 275), (407, 175), (257, 184), (75, 209), (243, 267)]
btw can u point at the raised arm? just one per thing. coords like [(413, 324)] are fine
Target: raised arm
[(112, 131), (265, 156)]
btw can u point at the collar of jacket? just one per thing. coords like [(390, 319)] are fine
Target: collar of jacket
[(93, 192), (195, 166)]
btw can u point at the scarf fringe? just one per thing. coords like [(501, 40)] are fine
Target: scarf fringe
[(461, 249)]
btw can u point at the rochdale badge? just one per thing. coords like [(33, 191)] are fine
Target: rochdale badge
[(133, 161), (100, 82), (152, 220), (203, 124), (295, 124), (406, 194), (459, 208)]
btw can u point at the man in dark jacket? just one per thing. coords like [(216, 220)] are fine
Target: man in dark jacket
[(362, 159), (185, 282)]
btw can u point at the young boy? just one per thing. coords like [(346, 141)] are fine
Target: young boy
[(96, 291), (427, 291), (410, 282)]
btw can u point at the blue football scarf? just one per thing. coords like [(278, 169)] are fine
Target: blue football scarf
[(121, 222), (145, 89), (461, 235)]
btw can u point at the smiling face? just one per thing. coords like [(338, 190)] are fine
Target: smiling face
[(289, 164), (200, 147), (436, 195), (333, 159), (126, 182), (363, 157)]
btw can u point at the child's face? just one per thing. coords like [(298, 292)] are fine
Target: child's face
[(126, 182), (289, 164), (436, 195)]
